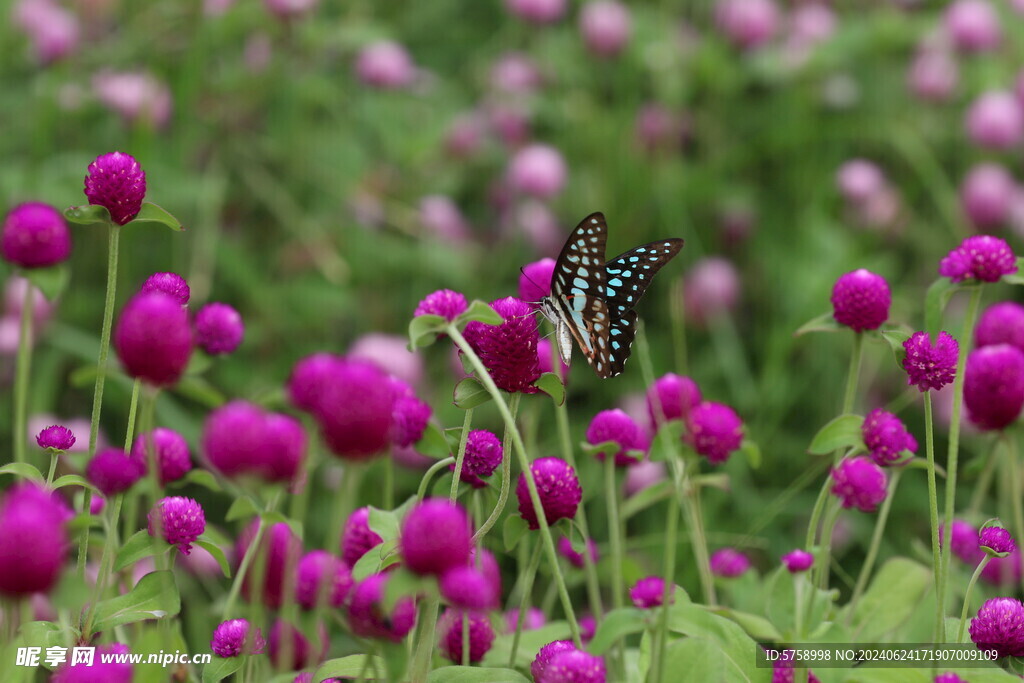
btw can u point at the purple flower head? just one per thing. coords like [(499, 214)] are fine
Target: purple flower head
[(1001, 323), (558, 487), (118, 183), (436, 536), (711, 288), (949, 677), (114, 471), (441, 216), (181, 521), (56, 437), (483, 455), (606, 26), (615, 425), (171, 284), (575, 558), (535, 280), (171, 452), (783, 672), (34, 235), (965, 540), (543, 658), (538, 171), (99, 671), (391, 353), (995, 540), (33, 540), (508, 351), (547, 361), (575, 666), (537, 11), (981, 257), (533, 620), (469, 588), (219, 328), (886, 437), (445, 303), (357, 538), (481, 634), (715, 431), (280, 550), (673, 397), (236, 637), (986, 194), (289, 9), (153, 338), (310, 378), (648, 592), (859, 483), (995, 120), (797, 561), (1002, 571), (973, 25), (728, 563), (930, 366), (300, 651), (588, 628), (316, 570), (747, 24), (409, 419), (385, 64), (487, 564), (642, 475), (994, 386), (999, 626), (859, 180), (366, 611), (860, 300), (355, 409), (239, 438)]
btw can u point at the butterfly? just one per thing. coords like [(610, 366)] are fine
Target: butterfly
[(592, 301)]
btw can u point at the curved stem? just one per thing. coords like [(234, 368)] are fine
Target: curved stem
[(967, 597), (429, 474), (247, 560), (981, 487), (824, 568), (425, 643), (526, 589), (661, 634), (933, 512), (876, 541), (611, 492), (467, 421), (819, 508), (22, 372), (506, 476), (854, 372)]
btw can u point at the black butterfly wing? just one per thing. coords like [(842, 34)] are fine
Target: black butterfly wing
[(628, 276), (620, 342)]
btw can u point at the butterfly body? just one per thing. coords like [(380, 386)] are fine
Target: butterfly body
[(592, 301)]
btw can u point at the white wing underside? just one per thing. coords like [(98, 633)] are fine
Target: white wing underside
[(563, 337)]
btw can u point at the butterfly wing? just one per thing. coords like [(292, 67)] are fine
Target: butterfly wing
[(628, 276), (620, 342)]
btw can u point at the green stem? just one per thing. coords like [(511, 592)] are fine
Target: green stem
[(389, 482), (824, 569), (247, 560), (434, 469), (465, 639), (933, 512), (967, 597), (816, 512), (467, 422), (526, 590), (691, 511), (106, 560), (984, 480), (425, 643), (506, 476), (661, 634), (22, 373), (799, 582), (153, 474), (611, 492), (1015, 485), (876, 541), (854, 372), (129, 433), (54, 457)]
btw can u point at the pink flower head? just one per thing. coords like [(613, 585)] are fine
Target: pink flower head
[(965, 540), (994, 386), (930, 366), (981, 257), (543, 658), (105, 667), (409, 416), (34, 235), (355, 409), (481, 634), (1001, 323), (33, 540), (997, 539), (973, 25), (642, 475), (219, 328), (860, 300), (171, 452), (859, 483), (859, 180), (575, 558), (537, 11), (445, 303), (606, 26), (532, 620), (56, 437), (366, 611), (797, 561), (483, 455), (136, 96), (1002, 571), (310, 378), (712, 288), (648, 592), (535, 280), (469, 588), (558, 487), (391, 353), (575, 666), (933, 75), (181, 521), (999, 626), (443, 219), (322, 577), (386, 65), (986, 194), (280, 550), (516, 74), (171, 284), (615, 425), (236, 637), (436, 536), (995, 120), (886, 437), (289, 9), (657, 127), (747, 24), (289, 648), (114, 471), (508, 351), (153, 338), (537, 170), (547, 363), (53, 30), (118, 183), (357, 538), (729, 563), (714, 431), (948, 677), (672, 397), (240, 438)]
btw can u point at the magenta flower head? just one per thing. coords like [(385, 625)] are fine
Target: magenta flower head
[(538, 171), (240, 438), (886, 437), (280, 550), (728, 563), (118, 183), (323, 577), (171, 284), (981, 257), (994, 386), (34, 235), (797, 561), (973, 25), (33, 542), (606, 26), (366, 614), (469, 588), (1002, 571), (543, 658), (860, 300), (289, 9), (999, 626), (153, 338), (481, 634), (181, 521), (537, 11), (103, 667), (409, 415), (386, 65), (995, 120), (575, 558), (965, 540), (219, 328), (310, 378), (575, 666), (949, 677), (558, 487), (986, 194), (1001, 323), (714, 431), (236, 637), (171, 452), (535, 280), (859, 180), (299, 652), (57, 437), (545, 360), (436, 536), (483, 455), (711, 289), (995, 540), (648, 592), (114, 471), (508, 351), (355, 409), (533, 620), (357, 538), (615, 425), (747, 23), (859, 483), (930, 366), (445, 303), (672, 396)]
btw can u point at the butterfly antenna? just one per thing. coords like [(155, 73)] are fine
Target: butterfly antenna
[(523, 271)]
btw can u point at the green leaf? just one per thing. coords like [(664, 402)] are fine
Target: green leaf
[(155, 596), (424, 329), (71, 592), (935, 301), (512, 531), (433, 444), (551, 384), (220, 668), (23, 470), (348, 667), (87, 214), (277, 517), (895, 339), (1018, 277), (402, 583), (702, 660), (368, 564), (840, 432), (242, 508), (200, 391), (757, 626), (384, 523), (825, 322), (470, 393), (617, 624), (717, 480), (894, 594), (218, 553), (479, 312), (72, 480), (151, 213), (475, 674), (51, 281), (606, 449), (199, 363), (752, 451), (780, 597), (43, 634), (201, 477), (396, 660), (647, 497), (530, 642), (140, 545), (737, 647)]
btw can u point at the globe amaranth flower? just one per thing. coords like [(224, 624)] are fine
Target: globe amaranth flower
[(710, 289), (797, 561), (930, 366), (861, 300), (532, 620), (240, 438), (999, 626), (219, 328), (436, 536), (57, 437), (391, 353), (859, 483), (322, 577), (117, 182), (508, 351), (483, 455), (886, 437), (180, 521), (785, 672), (994, 386), (537, 11), (114, 471), (995, 540), (310, 378), (543, 658), (588, 628), (728, 563), (385, 64), (538, 171), (280, 550), (981, 257), (33, 540), (297, 653), (103, 667), (153, 338), (171, 284), (535, 280), (35, 235), (1002, 571), (575, 666), (357, 538), (965, 540), (469, 587), (672, 397), (648, 592), (366, 614), (548, 356), (643, 475), (714, 431), (409, 416), (170, 450), (444, 302), (236, 637), (307, 677), (606, 26), (615, 425), (747, 24), (948, 677), (558, 487), (575, 558), (1001, 323), (972, 25), (481, 634)]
